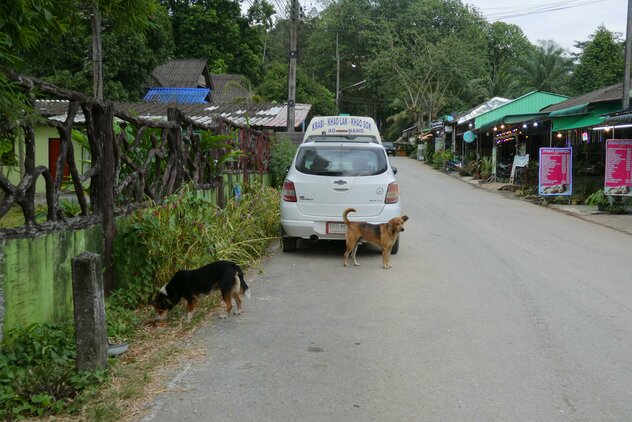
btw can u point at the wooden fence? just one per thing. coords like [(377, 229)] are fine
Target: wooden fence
[(133, 162)]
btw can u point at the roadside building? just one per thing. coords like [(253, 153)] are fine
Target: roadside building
[(585, 122)]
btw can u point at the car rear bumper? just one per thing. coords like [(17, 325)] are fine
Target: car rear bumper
[(296, 224)]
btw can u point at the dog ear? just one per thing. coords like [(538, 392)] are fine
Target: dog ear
[(405, 217)]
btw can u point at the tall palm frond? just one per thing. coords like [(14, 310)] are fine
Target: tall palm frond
[(546, 68)]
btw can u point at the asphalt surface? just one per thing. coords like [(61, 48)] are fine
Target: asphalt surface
[(619, 222), (495, 310)]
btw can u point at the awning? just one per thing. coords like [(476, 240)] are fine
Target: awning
[(409, 129), (576, 122), (593, 118), (570, 111), (512, 120)]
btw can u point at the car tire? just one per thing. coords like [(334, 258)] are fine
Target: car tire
[(288, 243), (395, 248)]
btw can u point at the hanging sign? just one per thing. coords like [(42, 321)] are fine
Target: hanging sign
[(556, 175), (436, 125), (469, 136), (618, 178)]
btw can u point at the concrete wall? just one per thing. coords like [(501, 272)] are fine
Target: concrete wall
[(35, 276), (231, 180), (35, 273)]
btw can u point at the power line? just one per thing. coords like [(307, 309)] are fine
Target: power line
[(539, 9)]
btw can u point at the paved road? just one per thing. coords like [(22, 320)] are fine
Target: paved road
[(495, 310)]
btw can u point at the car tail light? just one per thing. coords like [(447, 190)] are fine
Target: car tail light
[(392, 194), (289, 192)]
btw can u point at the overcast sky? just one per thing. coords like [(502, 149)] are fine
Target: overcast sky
[(575, 20)]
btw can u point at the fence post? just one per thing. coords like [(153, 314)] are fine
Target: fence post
[(104, 124), (89, 305)]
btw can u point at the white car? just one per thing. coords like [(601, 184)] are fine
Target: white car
[(340, 164)]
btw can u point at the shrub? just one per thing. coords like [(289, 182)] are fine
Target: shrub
[(187, 232), (487, 165), (597, 198), (37, 372), (282, 154), (440, 158)]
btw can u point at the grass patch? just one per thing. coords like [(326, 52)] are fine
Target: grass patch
[(37, 376)]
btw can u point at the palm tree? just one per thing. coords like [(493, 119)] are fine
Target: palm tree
[(546, 68)]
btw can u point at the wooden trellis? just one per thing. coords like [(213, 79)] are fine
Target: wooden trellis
[(133, 162)]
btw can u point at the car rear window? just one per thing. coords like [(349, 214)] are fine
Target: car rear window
[(341, 161)]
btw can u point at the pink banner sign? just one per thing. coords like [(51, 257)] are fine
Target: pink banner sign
[(618, 178), (556, 175)]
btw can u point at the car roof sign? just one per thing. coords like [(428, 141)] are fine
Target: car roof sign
[(342, 125)]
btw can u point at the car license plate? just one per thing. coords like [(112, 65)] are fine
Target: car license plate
[(336, 228)]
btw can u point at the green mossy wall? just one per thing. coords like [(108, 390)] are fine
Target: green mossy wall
[(36, 275)]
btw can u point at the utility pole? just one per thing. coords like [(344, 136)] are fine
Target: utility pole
[(293, 55), (338, 77), (628, 52), (97, 56)]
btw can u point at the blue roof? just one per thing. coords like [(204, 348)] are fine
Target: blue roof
[(177, 95)]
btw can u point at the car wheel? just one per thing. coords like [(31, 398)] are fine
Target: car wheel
[(288, 243), (395, 247)]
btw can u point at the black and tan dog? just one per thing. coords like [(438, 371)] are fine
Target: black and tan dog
[(225, 276), (382, 235)]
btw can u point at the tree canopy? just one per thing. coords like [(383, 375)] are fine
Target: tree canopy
[(600, 62), (402, 62)]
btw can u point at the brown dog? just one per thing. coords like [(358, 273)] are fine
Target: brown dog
[(381, 235)]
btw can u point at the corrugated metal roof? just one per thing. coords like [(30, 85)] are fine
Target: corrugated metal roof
[(530, 103), (178, 95), (623, 116), (608, 93), (181, 73), (483, 108), (229, 88), (257, 115)]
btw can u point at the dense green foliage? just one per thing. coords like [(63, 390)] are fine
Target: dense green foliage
[(402, 62), (216, 30), (274, 88), (600, 64), (37, 372), (37, 364), (129, 55), (282, 154), (23, 25), (194, 232)]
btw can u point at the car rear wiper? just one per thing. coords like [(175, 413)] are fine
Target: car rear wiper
[(328, 173)]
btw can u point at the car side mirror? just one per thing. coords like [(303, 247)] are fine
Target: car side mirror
[(394, 170)]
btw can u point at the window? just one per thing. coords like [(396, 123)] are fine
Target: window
[(341, 161)]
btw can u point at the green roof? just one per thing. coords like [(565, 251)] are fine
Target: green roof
[(528, 105), (570, 111), (590, 118)]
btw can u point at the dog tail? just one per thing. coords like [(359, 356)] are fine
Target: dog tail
[(243, 287), (344, 215)]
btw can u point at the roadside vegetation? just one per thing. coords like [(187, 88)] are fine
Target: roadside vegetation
[(409, 56), (37, 374)]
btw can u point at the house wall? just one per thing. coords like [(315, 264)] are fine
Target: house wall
[(42, 134)]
